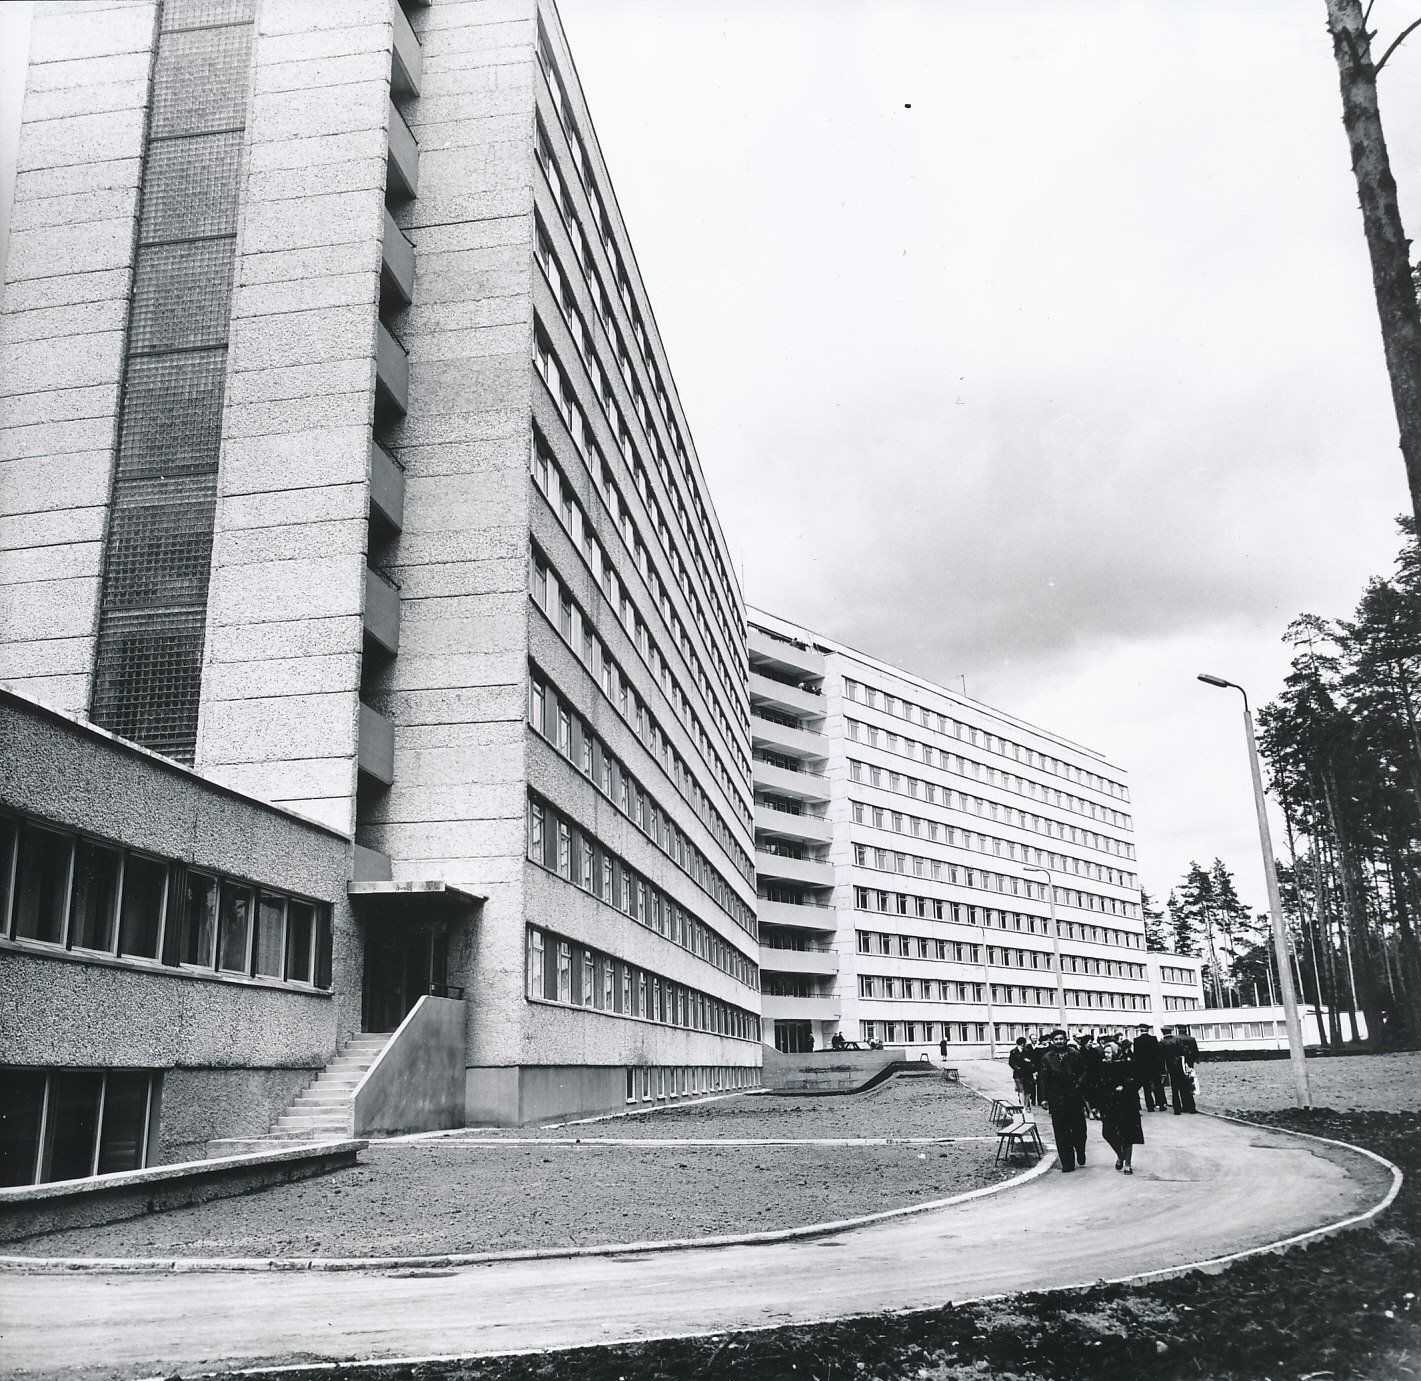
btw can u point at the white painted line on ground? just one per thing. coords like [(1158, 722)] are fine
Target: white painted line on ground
[(714, 1140)]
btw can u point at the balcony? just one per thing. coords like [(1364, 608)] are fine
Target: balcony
[(392, 370), (790, 699), (407, 59), (823, 919), (382, 612), (784, 655), (402, 161), (816, 961), (800, 743), (784, 781), (802, 870), (397, 263), (799, 1008), (377, 745), (814, 828), (387, 486)]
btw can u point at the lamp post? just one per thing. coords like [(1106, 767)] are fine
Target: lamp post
[(1055, 943), (1275, 904)]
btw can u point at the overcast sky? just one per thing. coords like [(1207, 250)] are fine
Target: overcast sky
[(1030, 343)]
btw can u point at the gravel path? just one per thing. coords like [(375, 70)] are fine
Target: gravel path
[(897, 1108), (1382, 1083), (452, 1195)]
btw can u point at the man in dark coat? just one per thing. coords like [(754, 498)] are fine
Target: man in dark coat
[(1023, 1071), (1061, 1084), (1181, 1071), (1149, 1063)]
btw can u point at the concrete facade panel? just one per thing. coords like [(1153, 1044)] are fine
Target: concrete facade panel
[(257, 642), (303, 73), (75, 208), (59, 526), (80, 139), (310, 727), (313, 220), (69, 74), (332, 290), (288, 507), (249, 680), (45, 323), (322, 336), (53, 607), (306, 16), (353, 175), (65, 35), (123, 92), (45, 657), (296, 155), (285, 416), (39, 366), (255, 383), (302, 458)]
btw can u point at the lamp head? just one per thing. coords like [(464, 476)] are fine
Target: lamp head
[(1213, 680)]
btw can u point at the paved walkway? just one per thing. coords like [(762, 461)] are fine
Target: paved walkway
[(1203, 1188)]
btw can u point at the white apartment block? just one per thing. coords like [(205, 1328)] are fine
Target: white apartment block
[(932, 870)]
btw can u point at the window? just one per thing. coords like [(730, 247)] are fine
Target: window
[(564, 972), (93, 908), (41, 885), (234, 929), (269, 955)]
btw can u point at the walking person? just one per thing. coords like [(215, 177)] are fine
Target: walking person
[(1091, 1055), (1181, 1071), (1023, 1072), (1062, 1085), (1117, 1094), (1149, 1062)]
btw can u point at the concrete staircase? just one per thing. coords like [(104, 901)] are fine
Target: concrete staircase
[(323, 1111)]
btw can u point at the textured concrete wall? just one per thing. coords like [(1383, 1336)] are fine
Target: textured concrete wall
[(202, 1105), (282, 665), (417, 1084), (60, 1009), (62, 333), (457, 691)]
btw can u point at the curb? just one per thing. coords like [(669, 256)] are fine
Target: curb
[(68, 1265), (372, 1365)]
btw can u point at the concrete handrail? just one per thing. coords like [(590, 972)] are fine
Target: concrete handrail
[(417, 1081)]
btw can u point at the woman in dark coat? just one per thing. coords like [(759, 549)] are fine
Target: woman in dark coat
[(1117, 1083)]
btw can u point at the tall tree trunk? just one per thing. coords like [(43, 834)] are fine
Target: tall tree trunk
[(1386, 239)]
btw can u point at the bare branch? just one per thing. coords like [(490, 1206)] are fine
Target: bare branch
[(1351, 43), (1397, 42), (1367, 13)]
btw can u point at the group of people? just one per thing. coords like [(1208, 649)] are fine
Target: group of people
[(1071, 1079)]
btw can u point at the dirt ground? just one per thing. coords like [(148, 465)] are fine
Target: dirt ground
[(1383, 1083), (1344, 1308), (459, 1195)]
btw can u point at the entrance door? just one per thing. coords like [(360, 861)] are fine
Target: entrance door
[(402, 963), (794, 1037)]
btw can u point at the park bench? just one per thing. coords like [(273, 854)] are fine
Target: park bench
[(1002, 1111), (1019, 1137)]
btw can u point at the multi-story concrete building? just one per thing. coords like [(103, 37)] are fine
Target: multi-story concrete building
[(343, 463), (974, 874)]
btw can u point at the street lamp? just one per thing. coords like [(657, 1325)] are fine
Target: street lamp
[(1055, 943), (1275, 904)]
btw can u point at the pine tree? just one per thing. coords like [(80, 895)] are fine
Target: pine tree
[(1155, 939), (1234, 919), (1183, 928)]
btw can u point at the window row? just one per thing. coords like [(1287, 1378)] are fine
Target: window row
[(981, 738), (565, 294), (796, 985), (573, 975), (621, 519), (918, 947), (1240, 1031), (579, 528), (881, 818), (70, 1124), (666, 1083), (724, 605), (920, 989), (88, 895), (1014, 995), (1181, 1004), (924, 1032), (553, 597), (565, 848), (1123, 1002), (984, 879), (934, 908), (1107, 968), (1170, 974), (955, 799), (946, 761), (555, 720)]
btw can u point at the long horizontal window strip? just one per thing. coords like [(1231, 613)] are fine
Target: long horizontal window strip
[(555, 490), (555, 719), (72, 1124), (935, 793), (893, 988), (937, 832), (95, 898), (571, 974), (724, 604), (1115, 1002), (1017, 995), (919, 947), (929, 1032), (1170, 974), (579, 530), (1182, 1004), (992, 742), (564, 847), (563, 293), (553, 600), (937, 909), (984, 879), (946, 760)]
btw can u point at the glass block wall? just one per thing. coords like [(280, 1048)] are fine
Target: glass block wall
[(153, 610)]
